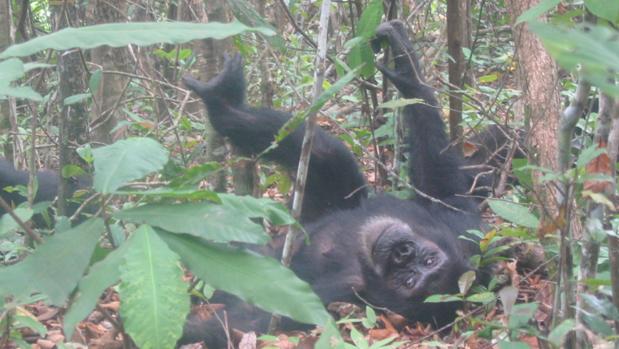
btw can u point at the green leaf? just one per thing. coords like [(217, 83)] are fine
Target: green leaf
[(31, 322), (508, 296), (522, 172), (195, 174), (78, 98), (95, 81), (153, 294), (275, 212), (557, 335), (206, 220), (538, 10), (8, 224), (588, 155), (370, 19), (514, 213), (483, 297), (521, 314), (361, 55), (11, 70), (348, 45), (257, 279), (466, 281), (598, 324), (126, 160), (592, 49), (330, 337), (70, 170), (23, 92), (180, 193), (607, 9), (601, 306), (122, 34), (56, 266), (442, 298), (100, 276), (370, 318)]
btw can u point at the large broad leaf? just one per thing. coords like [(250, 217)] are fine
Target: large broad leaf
[(126, 160), (330, 337), (537, 10), (557, 335), (122, 34), (594, 49), (206, 220), (8, 224), (273, 211), (11, 70), (259, 280), (176, 193), (153, 294), (514, 213), (56, 266), (607, 9), (520, 315), (100, 276)]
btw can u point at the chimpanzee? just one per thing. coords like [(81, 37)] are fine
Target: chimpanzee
[(383, 251), (47, 185)]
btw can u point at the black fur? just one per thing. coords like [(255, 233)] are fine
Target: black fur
[(47, 186), (388, 252), (334, 181)]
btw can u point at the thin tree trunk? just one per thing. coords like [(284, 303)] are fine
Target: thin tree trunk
[(456, 38), (538, 78), (112, 87), (613, 241), (7, 106), (73, 121), (208, 67)]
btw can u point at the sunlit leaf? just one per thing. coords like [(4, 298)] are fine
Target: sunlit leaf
[(557, 335), (152, 292), (122, 34), (257, 279), (126, 160), (537, 10), (56, 266), (514, 213)]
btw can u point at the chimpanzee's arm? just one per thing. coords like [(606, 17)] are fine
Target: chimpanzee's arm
[(334, 180), (434, 166)]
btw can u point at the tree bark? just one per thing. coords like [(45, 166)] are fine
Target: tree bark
[(456, 38), (538, 77), (7, 107), (112, 87), (207, 67), (539, 81), (73, 121)]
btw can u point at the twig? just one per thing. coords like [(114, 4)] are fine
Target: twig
[(31, 234), (308, 137)]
